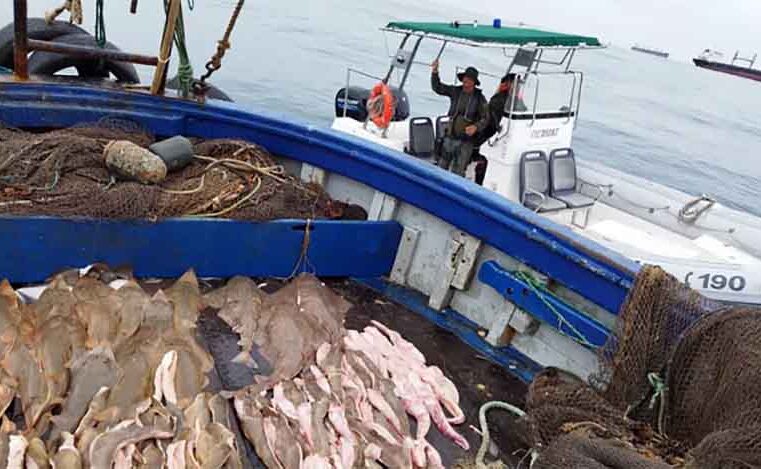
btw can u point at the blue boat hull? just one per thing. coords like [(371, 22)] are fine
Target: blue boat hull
[(591, 270)]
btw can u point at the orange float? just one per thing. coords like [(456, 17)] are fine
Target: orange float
[(380, 105)]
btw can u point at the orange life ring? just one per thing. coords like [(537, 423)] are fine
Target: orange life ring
[(380, 105)]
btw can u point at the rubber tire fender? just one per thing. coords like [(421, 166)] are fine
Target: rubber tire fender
[(48, 63), (36, 28)]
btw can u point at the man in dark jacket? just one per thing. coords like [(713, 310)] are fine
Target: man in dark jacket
[(468, 115), (498, 104)]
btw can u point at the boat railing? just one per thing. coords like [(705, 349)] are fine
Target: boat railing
[(747, 60), (565, 60), (349, 72), (574, 99)]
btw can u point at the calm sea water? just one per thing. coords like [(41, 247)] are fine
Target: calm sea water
[(692, 129)]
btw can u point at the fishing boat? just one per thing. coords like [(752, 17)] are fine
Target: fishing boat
[(706, 244), (524, 288), (650, 51), (711, 60)]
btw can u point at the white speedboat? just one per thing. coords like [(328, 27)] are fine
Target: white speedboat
[(531, 161)]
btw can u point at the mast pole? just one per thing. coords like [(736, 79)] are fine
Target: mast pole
[(20, 45), (159, 76)]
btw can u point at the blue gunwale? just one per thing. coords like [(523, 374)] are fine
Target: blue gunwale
[(592, 270), (33, 248), (547, 308)]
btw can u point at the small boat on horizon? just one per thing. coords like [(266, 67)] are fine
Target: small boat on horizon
[(651, 51), (708, 60)]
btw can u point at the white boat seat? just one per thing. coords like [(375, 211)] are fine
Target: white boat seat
[(564, 181), (575, 199), (548, 204), (422, 139), (535, 183)]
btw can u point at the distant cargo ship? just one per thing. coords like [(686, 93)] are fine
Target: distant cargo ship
[(708, 60), (647, 50)]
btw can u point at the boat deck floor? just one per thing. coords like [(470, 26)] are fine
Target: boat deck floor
[(643, 240), (477, 379)]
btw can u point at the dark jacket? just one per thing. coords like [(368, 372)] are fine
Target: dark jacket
[(473, 108), (497, 105), (499, 101)]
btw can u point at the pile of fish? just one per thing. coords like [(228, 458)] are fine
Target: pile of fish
[(335, 398), (98, 373), (109, 378)]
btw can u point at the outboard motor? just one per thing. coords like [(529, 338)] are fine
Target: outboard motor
[(356, 104)]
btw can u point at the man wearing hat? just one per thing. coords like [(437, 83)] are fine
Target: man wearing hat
[(468, 115), (501, 102)]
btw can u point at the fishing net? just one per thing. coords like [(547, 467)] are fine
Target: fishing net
[(678, 387), (63, 173)]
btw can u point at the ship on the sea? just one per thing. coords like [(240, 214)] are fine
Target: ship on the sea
[(711, 60), (651, 51)]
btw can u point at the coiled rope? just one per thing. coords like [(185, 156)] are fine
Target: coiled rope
[(485, 437), (691, 212)]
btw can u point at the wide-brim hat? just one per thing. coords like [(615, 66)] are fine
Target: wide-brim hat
[(471, 73)]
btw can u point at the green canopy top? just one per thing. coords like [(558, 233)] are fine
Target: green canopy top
[(503, 35)]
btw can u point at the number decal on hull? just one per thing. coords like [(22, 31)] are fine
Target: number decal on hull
[(716, 281)]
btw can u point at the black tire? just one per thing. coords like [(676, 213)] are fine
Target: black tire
[(213, 93), (48, 63), (36, 28)]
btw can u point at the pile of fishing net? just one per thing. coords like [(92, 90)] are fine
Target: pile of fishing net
[(679, 387), (63, 173)]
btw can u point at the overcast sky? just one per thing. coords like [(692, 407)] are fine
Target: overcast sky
[(683, 27)]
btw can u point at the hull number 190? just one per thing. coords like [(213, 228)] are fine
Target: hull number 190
[(716, 281)]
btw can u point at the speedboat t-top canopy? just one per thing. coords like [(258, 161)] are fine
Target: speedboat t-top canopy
[(492, 36)]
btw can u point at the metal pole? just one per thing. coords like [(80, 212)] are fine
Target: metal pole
[(346, 92), (133, 7), (159, 75), (92, 52), (391, 68), (20, 65), (441, 51), (409, 63), (578, 99), (536, 99), (573, 94), (570, 59)]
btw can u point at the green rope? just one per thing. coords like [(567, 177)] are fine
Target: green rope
[(542, 292), (100, 24), (184, 68)]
